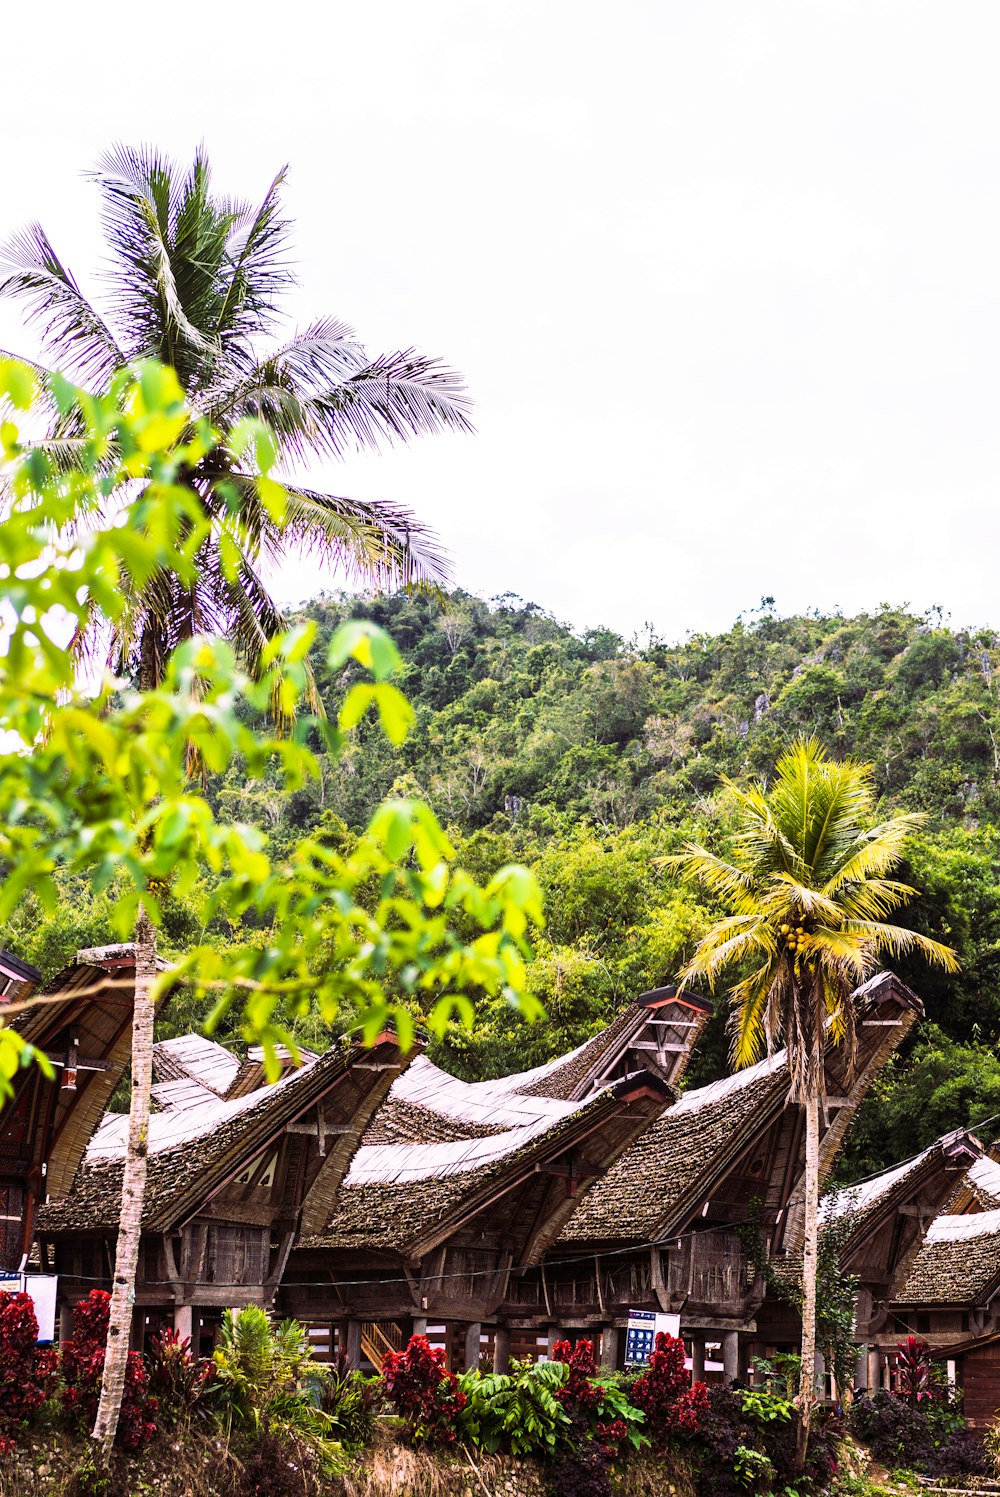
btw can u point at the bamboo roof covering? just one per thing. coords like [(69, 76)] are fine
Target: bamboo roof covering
[(194, 1148), (984, 1182), (395, 1196), (653, 1180), (958, 1264), (195, 1058), (427, 1105), (668, 1174)]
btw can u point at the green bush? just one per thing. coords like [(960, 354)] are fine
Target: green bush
[(517, 1412)]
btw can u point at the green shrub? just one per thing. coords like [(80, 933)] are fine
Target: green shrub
[(517, 1412)]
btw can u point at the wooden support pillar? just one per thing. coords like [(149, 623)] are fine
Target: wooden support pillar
[(354, 1344), (874, 1380), (419, 1325), (730, 1356), (697, 1360), (861, 1369), (609, 1347), (65, 1321), (184, 1324), (501, 1349), (555, 1334), (473, 1332)]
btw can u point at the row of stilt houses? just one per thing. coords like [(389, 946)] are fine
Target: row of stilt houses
[(371, 1195)]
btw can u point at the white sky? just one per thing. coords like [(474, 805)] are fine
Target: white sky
[(724, 278)]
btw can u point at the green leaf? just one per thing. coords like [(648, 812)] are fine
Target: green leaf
[(356, 704), (394, 711), (370, 646), (18, 384)]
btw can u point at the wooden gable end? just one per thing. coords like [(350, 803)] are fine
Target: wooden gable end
[(86, 1032)]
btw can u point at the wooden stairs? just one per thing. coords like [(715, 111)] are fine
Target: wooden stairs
[(377, 1339)]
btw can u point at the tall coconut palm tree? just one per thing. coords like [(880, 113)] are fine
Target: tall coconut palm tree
[(808, 889), (195, 281)]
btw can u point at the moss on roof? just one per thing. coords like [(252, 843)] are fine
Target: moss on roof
[(400, 1122), (958, 1263), (393, 1214), (655, 1174)]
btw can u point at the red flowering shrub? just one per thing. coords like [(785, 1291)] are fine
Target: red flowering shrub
[(664, 1396), (596, 1402), (578, 1393), (26, 1370), (424, 1392), (83, 1366), (177, 1380), (915, 1371)]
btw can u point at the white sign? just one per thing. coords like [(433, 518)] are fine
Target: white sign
[(643, 1328), (42, 1289)]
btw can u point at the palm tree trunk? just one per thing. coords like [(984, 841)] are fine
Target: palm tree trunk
[(133, 1189), (807, 1381)]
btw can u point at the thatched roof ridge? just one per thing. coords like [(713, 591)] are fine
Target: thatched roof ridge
[(400, 1122), (958, 1264), (195, 1057), (395, 1194), (934, 1168), (653, 1180), (192, 1150), (485, 1106), (983, 1179), (543, 1094)]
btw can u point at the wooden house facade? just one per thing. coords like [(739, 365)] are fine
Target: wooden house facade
[(371, 1195), (950, 1295), (84, 1026), (659, 1231), (460, 1190), (884, 1222), (235, 1165)]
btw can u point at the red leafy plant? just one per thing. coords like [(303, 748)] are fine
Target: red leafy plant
[(668, 1402), (177, 1380), (424, 1392), (27, 1371), (915, 1371), (82, 1367), (596, 1402)]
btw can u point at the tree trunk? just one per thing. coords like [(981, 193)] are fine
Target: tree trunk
[(133, 1188), (807, 1381)]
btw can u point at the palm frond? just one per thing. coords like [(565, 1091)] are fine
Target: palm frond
[(729, 941), (756, 1022), (901, 942), (142, 198), (873, 852), (735, 886), (76, 335), (258, 270), (873, 899)]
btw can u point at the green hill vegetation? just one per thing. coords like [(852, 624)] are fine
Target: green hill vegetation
[(592, 758)]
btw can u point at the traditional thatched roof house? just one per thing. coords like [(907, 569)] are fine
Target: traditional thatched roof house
[(232, 1173), (884, 1223), (84, 1026), (372, 1194), (657, 1232), (950, 1294), (459, 1189)]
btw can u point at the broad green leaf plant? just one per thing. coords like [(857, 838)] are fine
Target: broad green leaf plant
[(103, 780)]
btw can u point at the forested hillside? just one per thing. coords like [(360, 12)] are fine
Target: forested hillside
[(592, 758)]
